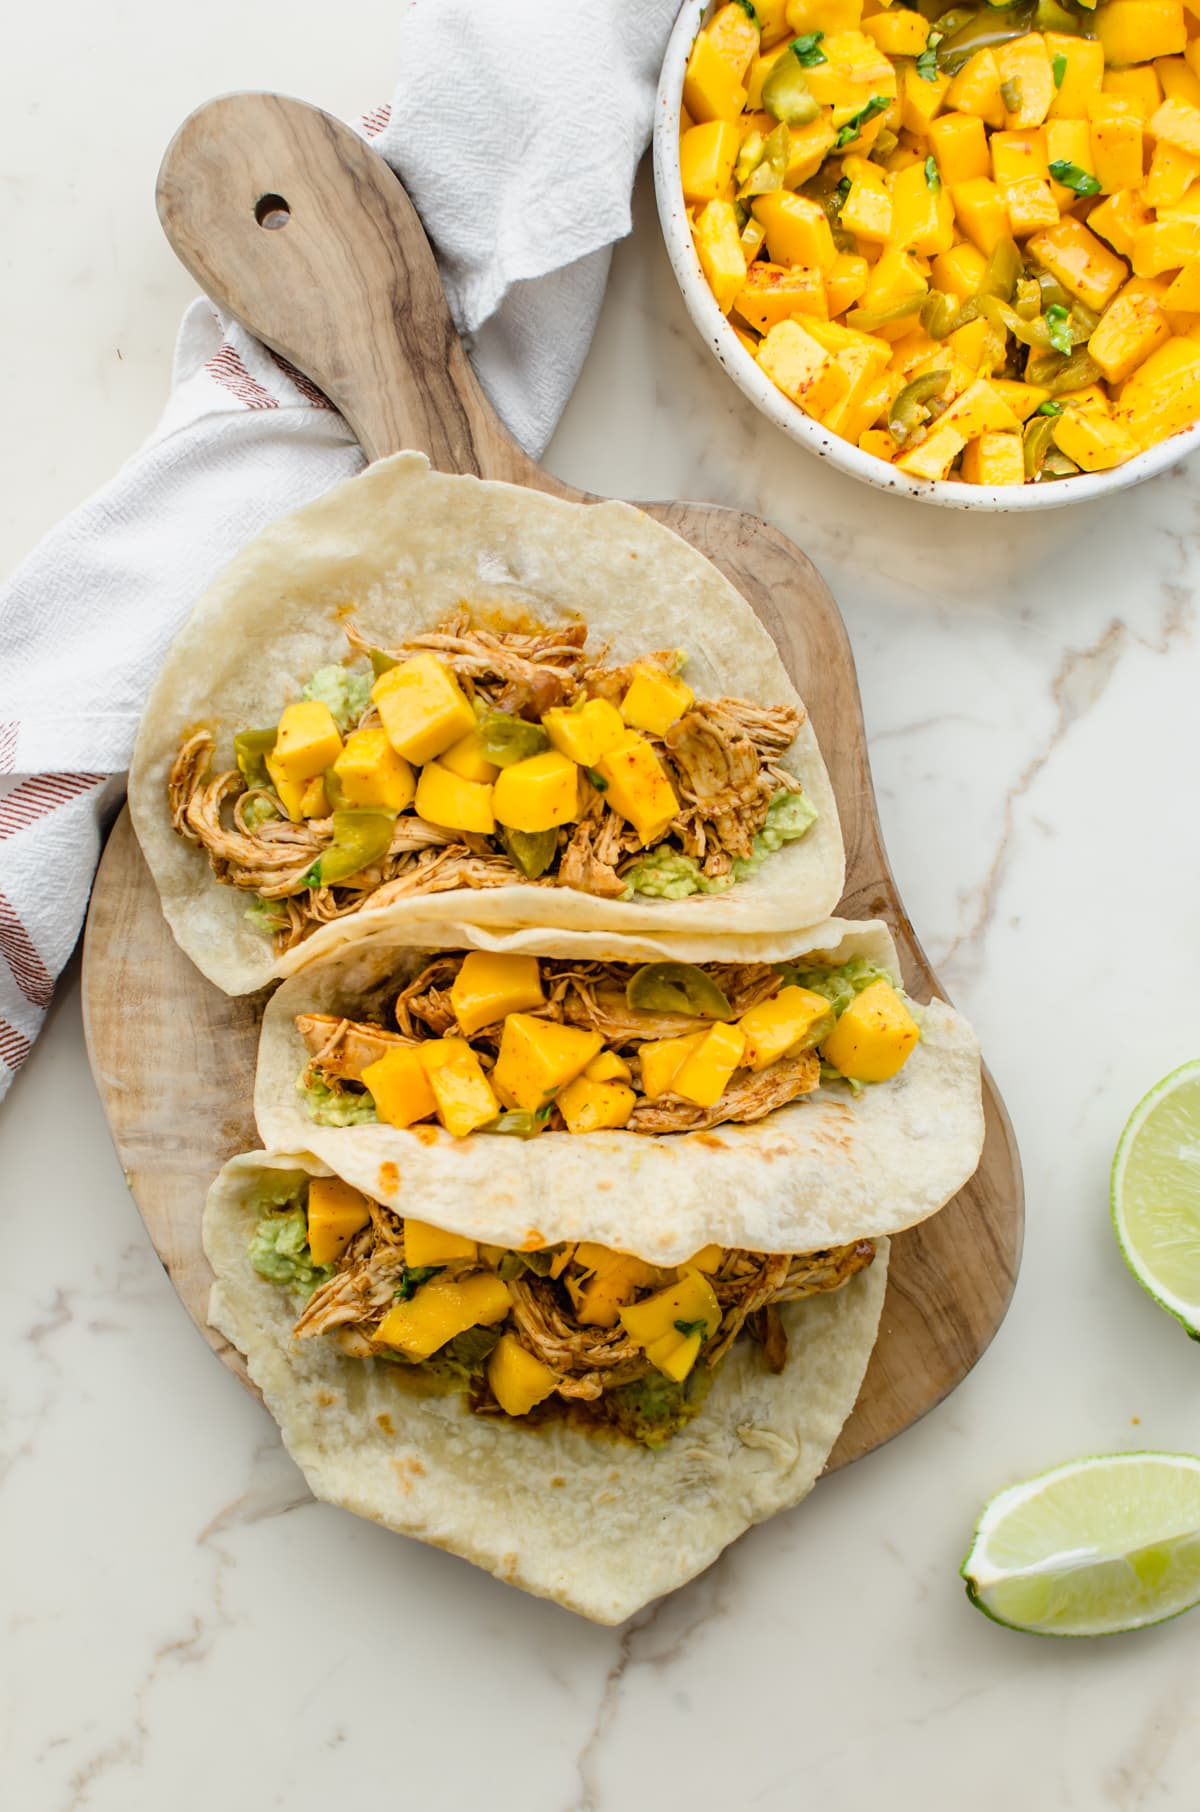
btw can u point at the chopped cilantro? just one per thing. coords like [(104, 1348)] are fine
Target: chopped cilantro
[(688, 1328), (597, 780), (878, 103), (927, 64), (1058, 68), (748, 8), (1049, 407), (411, 1279), (1072, 177), (807, 50)]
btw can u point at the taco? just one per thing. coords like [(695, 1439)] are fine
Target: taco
[(578, 1090), (441, 696), (514, 1407)]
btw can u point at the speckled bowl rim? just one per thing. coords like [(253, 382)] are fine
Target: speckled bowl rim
[(737, 362)]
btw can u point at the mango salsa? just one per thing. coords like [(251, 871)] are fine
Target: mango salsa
[(423, 708), (442, 1308), (456, 804), (874, 1037), (636, 785), (308, 741), (491, 984), (519, 1380), (461, 1090), (538, 1058), (983, 192), (371, 772), (538, 794), (789, 1021), (399, 1085), (585, 733), (655, 700), (336, 1212)]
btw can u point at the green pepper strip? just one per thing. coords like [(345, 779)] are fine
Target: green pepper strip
[(908, 413), (251, 747), (361, 835)]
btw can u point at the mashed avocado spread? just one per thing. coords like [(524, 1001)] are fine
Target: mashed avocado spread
[(347, 694), (279, 1250), (335, 1107), (667, 874)]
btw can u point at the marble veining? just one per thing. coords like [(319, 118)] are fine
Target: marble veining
[(179, 1622)]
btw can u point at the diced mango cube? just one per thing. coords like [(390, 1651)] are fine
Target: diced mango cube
[(922, 215), (1183, 292), (691, 1299), (422, 707), (774, 292), (585, 732), (538, 1058), (1118, 218), (1117, 149), (1085, 267), (490, 984), (708, 1260), (661, 1059), (712, 86), (616, 1280), (798, 230), (1139, 85), (792, 1019), (539, 793), (441, 1309), (308, 741), (1019, 154), (443, 798), (1082, 62), (1134, 31), (823, 15), (960, 271), (846, 282), (980, 211), (994, 459), (703, 1075), (1172, 173), (899, 33), (875, 1036), (1177, 80), (1177, 123), (608, 1067), (1129, 330), (867, 209), (808, 147), (922, 101), (675, 1354), (314, 801), (1093, 440), (960, 145), (336, 1212), (1163, 395), (735, 35), (1165, 245), (707, 154), (428, 1245), (655, 699), (979, 410), (589, 1107), (464, 1096), (636, 782), (1022, 399), (934, 456), (976, 89), (399, 1086), (1027, 78), (469, 760), (371, 772), (518, 1379), (1030, 205), (719, 249)]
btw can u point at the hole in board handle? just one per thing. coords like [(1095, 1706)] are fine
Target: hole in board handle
[(272, 212)]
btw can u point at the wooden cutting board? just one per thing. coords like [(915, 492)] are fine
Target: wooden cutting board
[(294, 226)]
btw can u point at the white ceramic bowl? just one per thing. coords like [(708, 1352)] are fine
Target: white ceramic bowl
[(722, 340)]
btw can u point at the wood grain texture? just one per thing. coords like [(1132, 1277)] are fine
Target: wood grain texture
[(348, 291)]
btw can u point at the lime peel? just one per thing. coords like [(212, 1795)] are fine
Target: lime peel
[(1155, 1194), (1093, 1547)]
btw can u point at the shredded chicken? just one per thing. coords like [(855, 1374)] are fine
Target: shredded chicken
[(752, 1097), (583, 867), (341, 1049), (535, 671), (720, 776)]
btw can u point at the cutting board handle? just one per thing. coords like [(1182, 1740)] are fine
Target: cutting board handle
[(296, 228)]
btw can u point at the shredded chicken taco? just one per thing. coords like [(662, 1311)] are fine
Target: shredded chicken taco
[(589, 1424), (538, 1097), (441, 696)]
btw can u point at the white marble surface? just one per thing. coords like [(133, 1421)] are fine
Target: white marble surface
[(179, 1625)]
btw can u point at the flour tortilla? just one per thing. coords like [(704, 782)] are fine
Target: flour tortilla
[(822, 1171), (397, 549), (599, 1525)]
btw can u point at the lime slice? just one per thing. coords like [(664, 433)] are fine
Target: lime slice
[(1156, 1194), (1092, 1548)]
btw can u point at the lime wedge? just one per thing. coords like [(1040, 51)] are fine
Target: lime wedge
[(1092, 1548), (1156, 1194)]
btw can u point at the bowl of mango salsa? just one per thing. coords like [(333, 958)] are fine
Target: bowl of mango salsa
[(955, 250)]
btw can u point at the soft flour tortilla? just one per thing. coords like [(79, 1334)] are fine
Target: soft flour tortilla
[(819, 1172), (598, 1524), (397, 549)]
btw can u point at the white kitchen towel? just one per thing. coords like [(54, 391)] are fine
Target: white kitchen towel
[(516, 128)]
